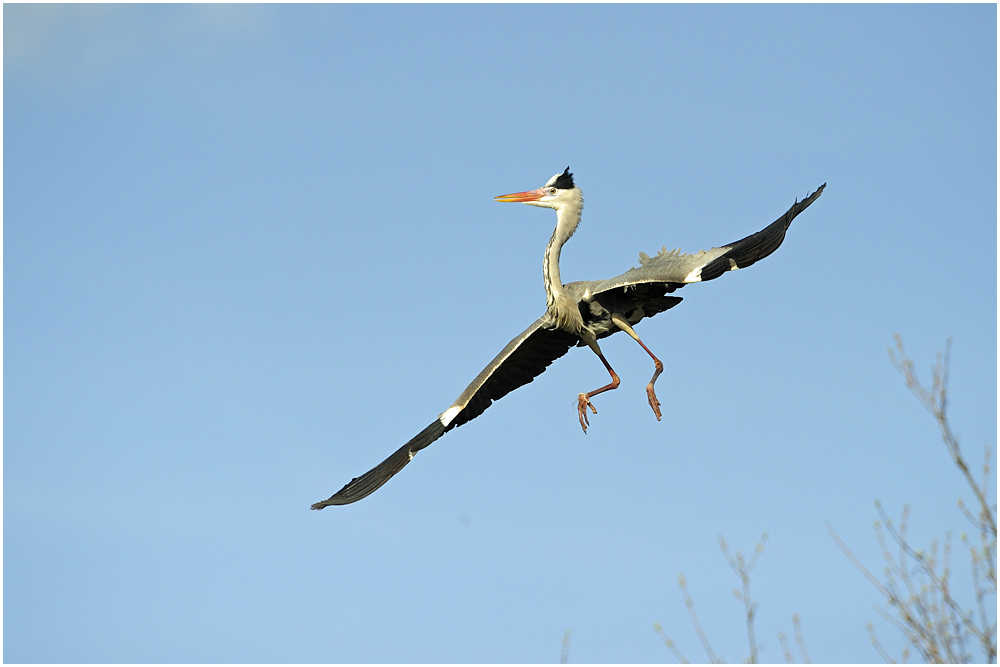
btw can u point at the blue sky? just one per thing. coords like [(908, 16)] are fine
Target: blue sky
[(251, 250)]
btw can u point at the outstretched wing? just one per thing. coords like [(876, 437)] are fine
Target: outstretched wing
[(677, 269), (519, 363)]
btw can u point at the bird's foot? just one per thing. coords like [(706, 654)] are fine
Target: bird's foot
[(582, 404), (653, 401)]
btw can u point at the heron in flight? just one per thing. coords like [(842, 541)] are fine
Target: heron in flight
[(578, 314)]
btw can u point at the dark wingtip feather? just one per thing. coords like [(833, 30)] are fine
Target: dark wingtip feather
[(361, 487), (811, 198), (755, 247)]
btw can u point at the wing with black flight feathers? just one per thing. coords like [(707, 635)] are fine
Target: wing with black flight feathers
[(677, 269), (520, 362)]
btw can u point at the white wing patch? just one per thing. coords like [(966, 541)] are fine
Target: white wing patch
[(449, 415), (694, 276)]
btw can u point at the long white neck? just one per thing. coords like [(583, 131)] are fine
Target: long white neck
[(567, 219)]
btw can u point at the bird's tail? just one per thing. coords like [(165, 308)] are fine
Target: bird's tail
[(359, 487)]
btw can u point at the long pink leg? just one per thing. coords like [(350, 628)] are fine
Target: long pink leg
[(583, 400), (654, 403)]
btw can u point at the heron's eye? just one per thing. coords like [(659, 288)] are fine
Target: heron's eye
[(551, 191)]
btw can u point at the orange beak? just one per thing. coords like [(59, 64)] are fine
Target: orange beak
[(530, 195)]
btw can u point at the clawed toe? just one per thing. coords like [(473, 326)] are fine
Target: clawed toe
[(582, 404), (653, 402)]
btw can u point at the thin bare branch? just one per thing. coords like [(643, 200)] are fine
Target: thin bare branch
[(935, 401), (857, 563), (785, 651), (742, 568), (916, 583), (878, 646), (670, 644), (800, 639), (564, 658), (689, 603)]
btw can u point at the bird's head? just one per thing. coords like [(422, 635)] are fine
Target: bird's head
[(559, 192)]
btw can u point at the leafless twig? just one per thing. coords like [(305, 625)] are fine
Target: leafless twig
[(689, 603), (800, 639), (917, 583), (670, 644), (564, 658), (742, 568)]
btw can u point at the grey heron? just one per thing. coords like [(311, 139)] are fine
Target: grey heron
[(578, 314)]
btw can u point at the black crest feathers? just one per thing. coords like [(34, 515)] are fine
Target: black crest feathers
[(565, 181)]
